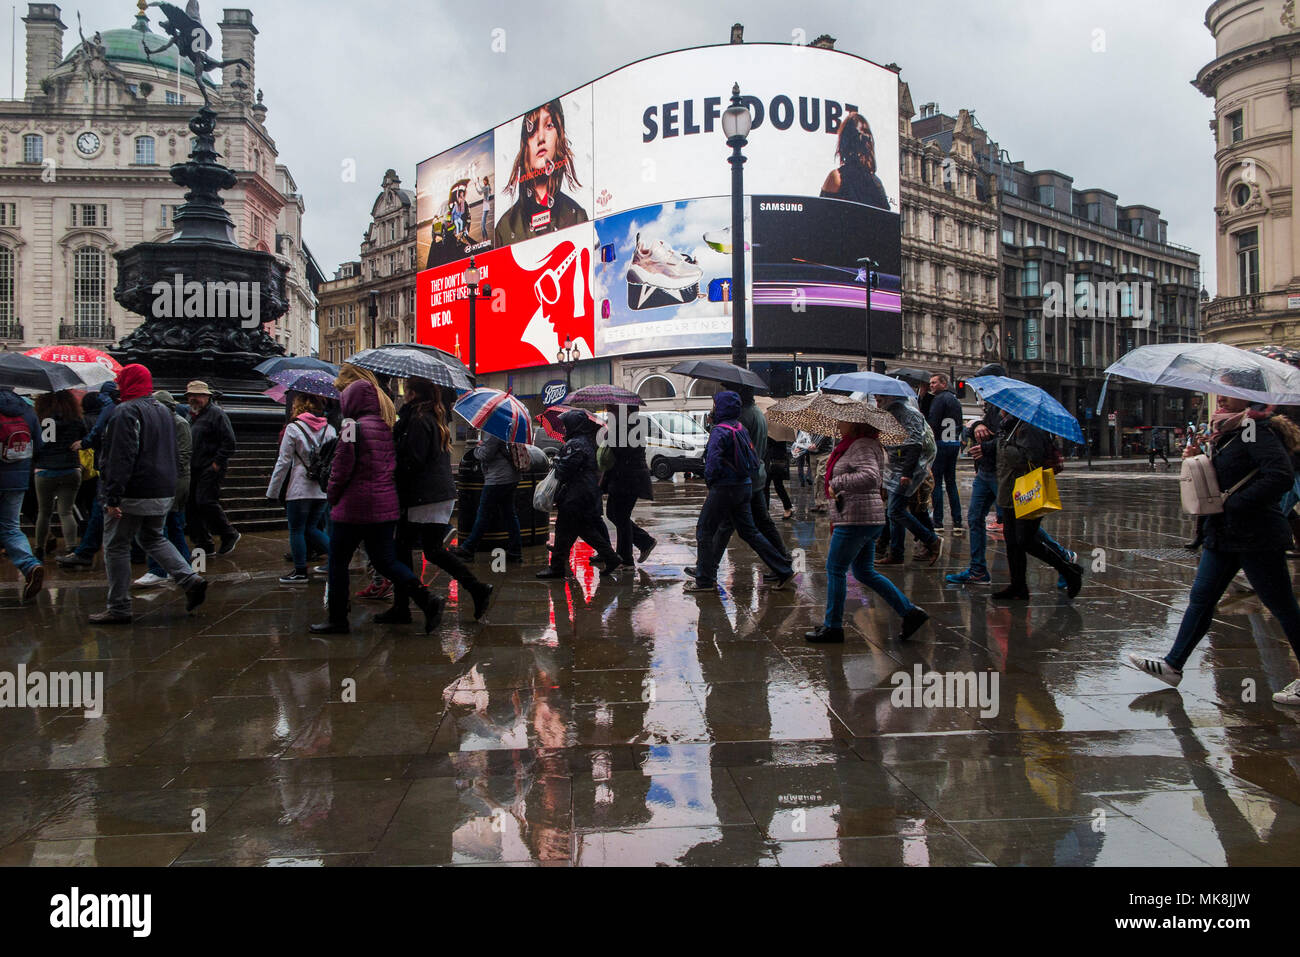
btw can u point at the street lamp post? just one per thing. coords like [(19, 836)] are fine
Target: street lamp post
[(736, 124), (471, 279), (373, 312), (870, 265), (566, 359)]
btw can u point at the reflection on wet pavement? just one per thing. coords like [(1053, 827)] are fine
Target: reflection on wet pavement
[(621, 722)]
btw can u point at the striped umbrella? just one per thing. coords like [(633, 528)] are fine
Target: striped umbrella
[(496, 413), (600, 396)]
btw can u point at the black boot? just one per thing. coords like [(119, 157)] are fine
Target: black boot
[(431, 605), (821, 635), (331, 628), (482, 595), (394, 616)]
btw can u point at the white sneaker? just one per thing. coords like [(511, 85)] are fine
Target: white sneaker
[(1289, 696), (150, 580), (1158, 668)]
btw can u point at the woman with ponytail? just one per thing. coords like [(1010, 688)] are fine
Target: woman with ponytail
[(426, 492)]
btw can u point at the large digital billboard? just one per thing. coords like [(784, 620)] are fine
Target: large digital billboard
[(603, 216)]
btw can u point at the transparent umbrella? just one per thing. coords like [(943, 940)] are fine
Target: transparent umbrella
[(1212, 368)]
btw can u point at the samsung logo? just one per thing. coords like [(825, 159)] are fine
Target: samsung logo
[(781, 207)]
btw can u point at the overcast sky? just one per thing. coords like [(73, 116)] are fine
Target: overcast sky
[(390, 83)]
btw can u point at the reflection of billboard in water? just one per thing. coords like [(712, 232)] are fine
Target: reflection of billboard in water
[(808, 284), (541, 294), (634, 164), (663, 275)]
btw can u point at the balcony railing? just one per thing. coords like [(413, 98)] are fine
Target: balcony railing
[(1232, 309), (11, 330), (86, 331)]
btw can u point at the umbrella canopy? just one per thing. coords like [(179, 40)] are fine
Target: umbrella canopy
[(919, 376), (1202, 366), (775, 430), (496, 413), (94, 367), (311, 382), (868, 383), (599, 396), (407, 362), (550, 420), (1029, 404), (819, 414), (295, 362), (719, 371), (29, 374)]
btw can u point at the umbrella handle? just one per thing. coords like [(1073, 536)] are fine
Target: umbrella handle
[(1105, 386)]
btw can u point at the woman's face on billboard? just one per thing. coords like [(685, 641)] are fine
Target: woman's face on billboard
[(542, 144)]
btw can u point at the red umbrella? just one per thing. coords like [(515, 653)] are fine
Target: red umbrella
[(550, 420), (72, 355)]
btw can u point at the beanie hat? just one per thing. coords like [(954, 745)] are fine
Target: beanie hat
[(134, 382), (166, 398)]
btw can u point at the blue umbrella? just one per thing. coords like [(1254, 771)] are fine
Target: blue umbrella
[(280, 363), (1029, 404), (868, 383), (496, 413)]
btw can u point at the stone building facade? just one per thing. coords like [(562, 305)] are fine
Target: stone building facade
[(84, 173), (1254, 81), (388, 267), (341, 312)]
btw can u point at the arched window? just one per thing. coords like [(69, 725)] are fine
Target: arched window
[(702, 389), (88, 291), (144, 155), (656, 387), (7, 305)]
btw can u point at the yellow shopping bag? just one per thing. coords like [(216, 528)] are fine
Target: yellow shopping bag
[(1035, 494)]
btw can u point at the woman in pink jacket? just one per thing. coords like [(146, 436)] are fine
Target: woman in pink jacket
[(362, 494), (853, 477)]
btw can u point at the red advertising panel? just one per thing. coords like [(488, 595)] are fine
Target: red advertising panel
[(541, 294)]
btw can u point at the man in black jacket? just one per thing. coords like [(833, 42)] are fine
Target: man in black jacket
[(577, 500), (945, 418), (137, 485), (213, 440)]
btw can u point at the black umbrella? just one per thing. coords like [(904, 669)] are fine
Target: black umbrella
[(305, 363), (18, 371), (919, 376), (719, 371), (405, 362)]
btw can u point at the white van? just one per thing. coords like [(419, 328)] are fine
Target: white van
[(675, 442)]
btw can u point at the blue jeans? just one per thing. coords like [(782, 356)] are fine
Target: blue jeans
[(12, 538), (496, 499), (1292, 498), (93, 540), (732, 502), (983, 497), (944, 472), (1266, 571), (853, 547), (304, 515), (174, 529), (902, 521)]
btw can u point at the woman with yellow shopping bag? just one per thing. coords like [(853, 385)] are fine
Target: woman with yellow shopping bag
[(1026, 493)]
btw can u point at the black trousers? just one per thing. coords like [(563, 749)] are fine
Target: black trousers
[(1023, 539), (429, 539), (630, 534), (762, 521), (590, 527), (204, 515), (778, 483), (378, 537)]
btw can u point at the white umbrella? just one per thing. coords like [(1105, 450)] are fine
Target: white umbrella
[(1212, 368)]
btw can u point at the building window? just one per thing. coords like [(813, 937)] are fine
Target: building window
[(1240, 195), (392, 230), (90, 214), (172, 98), (1248, 262), (411, 265), (8, 214), (33, 148), (1029, 285), (6, 289), (1047, 196), (144, 151), (88, 291), (1236, 127)]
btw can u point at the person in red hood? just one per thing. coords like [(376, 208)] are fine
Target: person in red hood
[(137, 486)]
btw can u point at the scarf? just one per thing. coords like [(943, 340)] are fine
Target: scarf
[(840, 449), (1223, 424)]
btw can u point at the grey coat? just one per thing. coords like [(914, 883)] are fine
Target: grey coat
[(494, 457), (856, 485)]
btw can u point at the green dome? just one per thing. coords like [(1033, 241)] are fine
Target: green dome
[(124, 46)]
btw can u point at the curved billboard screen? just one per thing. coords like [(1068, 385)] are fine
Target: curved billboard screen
[(604, 215)]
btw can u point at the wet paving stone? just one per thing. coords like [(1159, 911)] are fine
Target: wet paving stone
[(617, 721)]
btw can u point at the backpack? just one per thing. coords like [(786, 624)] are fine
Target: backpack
[(1200, 487), (519, 456), (743, 456), (15, 440), (320, 462)]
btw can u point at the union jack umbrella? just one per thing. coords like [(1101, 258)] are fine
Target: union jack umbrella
[(496, 413)]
